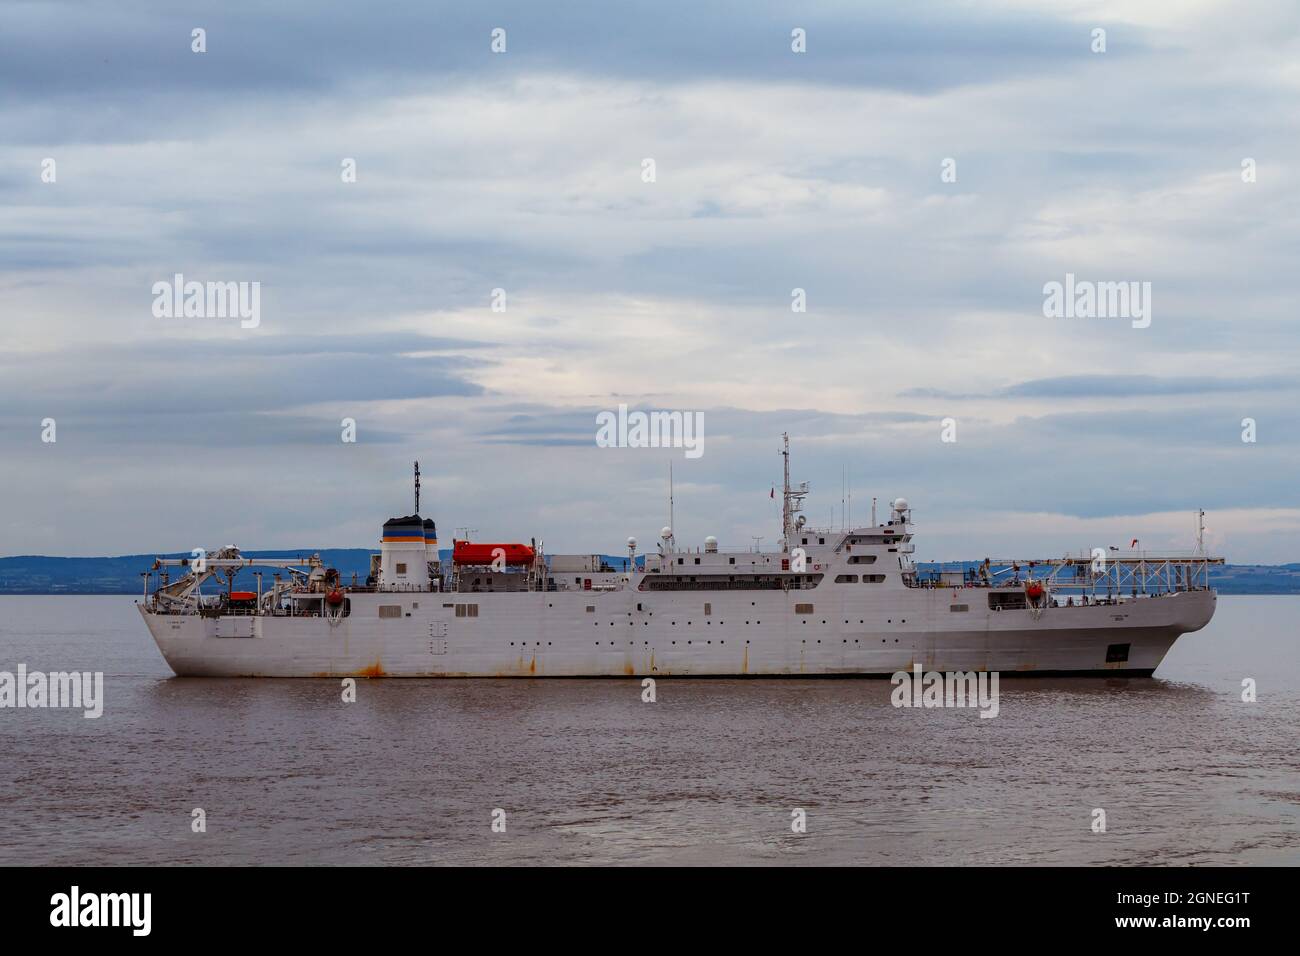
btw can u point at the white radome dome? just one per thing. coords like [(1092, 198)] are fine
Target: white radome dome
[(900, 504), (666, 532), (631, 542)]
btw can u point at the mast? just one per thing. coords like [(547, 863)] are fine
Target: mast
[(417, 487), (791, 498), (785, 494)]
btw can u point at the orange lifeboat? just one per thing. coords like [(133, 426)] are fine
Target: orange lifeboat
[(463, 552), (1034, 589)]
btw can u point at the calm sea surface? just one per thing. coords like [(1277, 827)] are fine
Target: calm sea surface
[(586, 773)]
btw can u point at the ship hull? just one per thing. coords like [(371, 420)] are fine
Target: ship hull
[(629, 633)]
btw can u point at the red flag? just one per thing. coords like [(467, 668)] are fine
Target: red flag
[(1134, 544), (773, 494)]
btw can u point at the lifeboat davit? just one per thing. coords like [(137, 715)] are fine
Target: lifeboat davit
[(462, 552)]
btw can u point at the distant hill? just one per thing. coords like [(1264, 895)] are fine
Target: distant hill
[(38, 574)]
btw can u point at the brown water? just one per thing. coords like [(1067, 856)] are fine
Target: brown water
[(587, 773)]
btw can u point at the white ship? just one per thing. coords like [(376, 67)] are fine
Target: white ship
[(850, 602)]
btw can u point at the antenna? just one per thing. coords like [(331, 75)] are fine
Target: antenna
[(671, 523), (417, 487), (1200, 530)]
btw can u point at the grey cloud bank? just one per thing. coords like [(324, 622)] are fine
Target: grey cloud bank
[(521, 171)]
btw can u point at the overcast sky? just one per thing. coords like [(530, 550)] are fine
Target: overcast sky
[(774, 170)]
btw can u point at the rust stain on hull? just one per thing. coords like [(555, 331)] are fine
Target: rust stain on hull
[(374, 670)]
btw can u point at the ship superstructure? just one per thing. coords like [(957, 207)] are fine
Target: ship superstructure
[(829, 602)]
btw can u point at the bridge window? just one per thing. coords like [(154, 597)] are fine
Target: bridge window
[(846, 579), (873, 578)]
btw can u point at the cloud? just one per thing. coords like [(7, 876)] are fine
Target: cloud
[(775, 171), (1119, 386)]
